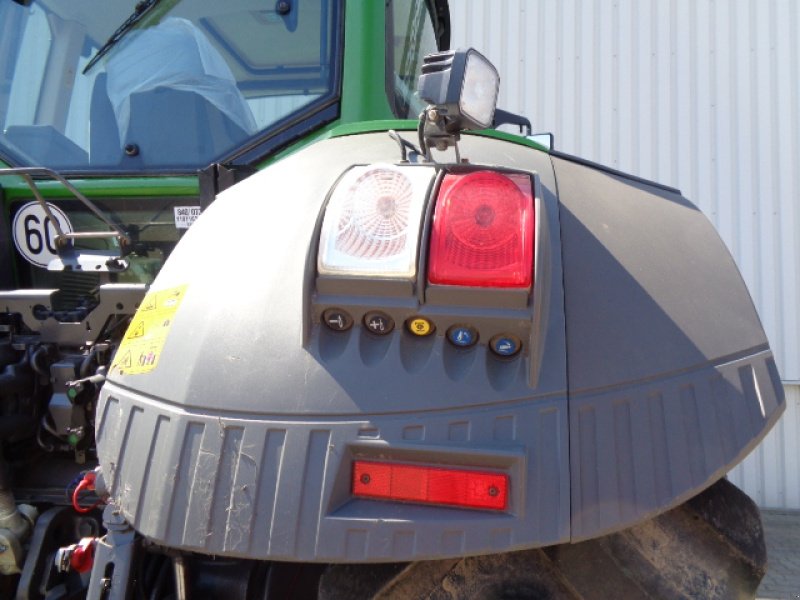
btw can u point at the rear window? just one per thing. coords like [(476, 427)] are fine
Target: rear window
[(186, 84), (410, 36)]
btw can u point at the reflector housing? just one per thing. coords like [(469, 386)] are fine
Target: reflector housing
[(372, 222), (483, 231), (430, 485)]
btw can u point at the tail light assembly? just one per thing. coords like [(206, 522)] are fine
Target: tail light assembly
[(401, 245), (482, 233)]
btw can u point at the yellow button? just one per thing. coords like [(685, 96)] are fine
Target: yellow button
[(420, 326)]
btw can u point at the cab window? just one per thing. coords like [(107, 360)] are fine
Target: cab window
[(410, 36)]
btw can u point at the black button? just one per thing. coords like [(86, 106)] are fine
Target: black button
[(378, 323), (337, 319)]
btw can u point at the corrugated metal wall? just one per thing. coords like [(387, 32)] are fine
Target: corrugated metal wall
[(703, 95), (770, 475)]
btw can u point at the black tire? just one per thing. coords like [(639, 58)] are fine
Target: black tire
[(711, 547)]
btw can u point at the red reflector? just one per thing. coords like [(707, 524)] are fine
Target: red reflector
[(483, 231), (430, 485)]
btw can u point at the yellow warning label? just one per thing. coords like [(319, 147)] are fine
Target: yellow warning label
[(125, 360), (143, 341), (139, 331), (149, 303)]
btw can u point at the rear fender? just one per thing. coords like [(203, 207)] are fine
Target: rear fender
[(671, 379)]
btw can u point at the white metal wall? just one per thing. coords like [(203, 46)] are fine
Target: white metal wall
[(703, 95), (770, 475)]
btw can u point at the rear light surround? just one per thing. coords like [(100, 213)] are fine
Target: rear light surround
[(430, 485)]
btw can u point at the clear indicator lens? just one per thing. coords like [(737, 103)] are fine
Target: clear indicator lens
[(372, 222), (479, 90)]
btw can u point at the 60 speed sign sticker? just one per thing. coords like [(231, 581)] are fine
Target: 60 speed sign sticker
[(35, 234)]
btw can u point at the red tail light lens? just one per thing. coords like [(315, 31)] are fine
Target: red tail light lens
[(483, 231), (430, 485)]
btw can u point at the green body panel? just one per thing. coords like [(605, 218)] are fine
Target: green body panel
[(341, 129), (410, 125), (14, 188), (363, 85)]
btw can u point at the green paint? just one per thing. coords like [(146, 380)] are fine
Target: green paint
[(406, 125), (364, 78), (15, 187), (372, 126), (341, 129)]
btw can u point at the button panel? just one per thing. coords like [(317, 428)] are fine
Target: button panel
[(464, 334)]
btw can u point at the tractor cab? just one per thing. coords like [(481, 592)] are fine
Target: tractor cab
[(154, 107), (159, 87)]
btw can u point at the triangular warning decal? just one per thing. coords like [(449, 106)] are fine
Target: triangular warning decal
[(149, 303), (137, 331)]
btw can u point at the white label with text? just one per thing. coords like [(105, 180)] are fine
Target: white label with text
[(185, 216)]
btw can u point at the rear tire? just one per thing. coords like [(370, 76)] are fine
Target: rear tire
[(710, 547)]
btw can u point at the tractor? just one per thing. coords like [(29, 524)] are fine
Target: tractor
[(289, 308)]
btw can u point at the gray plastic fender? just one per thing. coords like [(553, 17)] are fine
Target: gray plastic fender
[(671, 380), (645, 375)]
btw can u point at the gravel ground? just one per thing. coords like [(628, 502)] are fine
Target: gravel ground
[(782, 530)]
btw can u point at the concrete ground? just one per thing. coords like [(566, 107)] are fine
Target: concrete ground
[(782, 530)]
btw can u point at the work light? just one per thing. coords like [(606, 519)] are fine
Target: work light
[(462, 87)]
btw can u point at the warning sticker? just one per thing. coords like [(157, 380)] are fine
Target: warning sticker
[(186, 215), (143, 341)]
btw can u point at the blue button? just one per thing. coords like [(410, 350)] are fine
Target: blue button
[(462, 336), (505, 345)]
